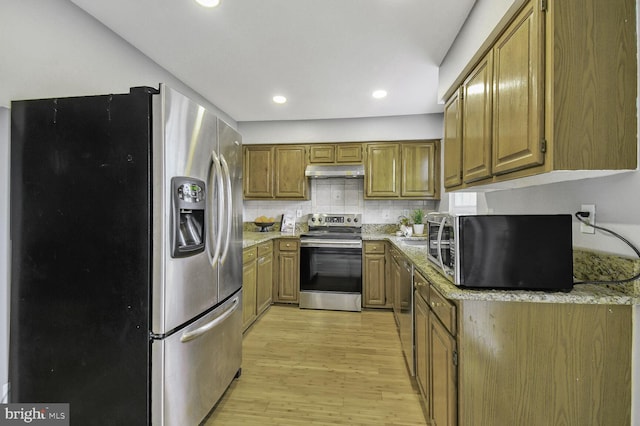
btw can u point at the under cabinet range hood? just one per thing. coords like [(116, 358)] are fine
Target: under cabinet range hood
[(320, 171)]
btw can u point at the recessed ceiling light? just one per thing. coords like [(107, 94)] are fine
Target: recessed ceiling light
[(379, 94), (279, 99), (208, 3)]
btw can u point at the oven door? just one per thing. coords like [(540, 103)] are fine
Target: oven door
[(331, 274)]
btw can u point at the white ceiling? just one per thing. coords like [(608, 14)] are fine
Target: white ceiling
[(326, 56)]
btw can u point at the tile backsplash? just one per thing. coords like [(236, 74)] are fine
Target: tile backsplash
[(337, 195)]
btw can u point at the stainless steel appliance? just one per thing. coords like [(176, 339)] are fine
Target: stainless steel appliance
[(405, 313), (326, 171), (532, 252), (126, 256), (331, 263), (402, 287)]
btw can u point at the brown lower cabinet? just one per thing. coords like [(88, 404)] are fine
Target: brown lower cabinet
[(257, 281), (436, 354), (264, 270), (249, 286), (286, 287), (483, 362), (544, 363), (376, 293)]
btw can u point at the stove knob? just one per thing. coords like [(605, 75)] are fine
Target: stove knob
[(355, 219), (349, 219), (319, 219), (313, 219)]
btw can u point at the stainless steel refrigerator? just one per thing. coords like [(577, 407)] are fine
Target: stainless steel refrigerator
[(126, 245)]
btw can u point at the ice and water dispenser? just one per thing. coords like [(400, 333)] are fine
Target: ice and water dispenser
[(188, 216)]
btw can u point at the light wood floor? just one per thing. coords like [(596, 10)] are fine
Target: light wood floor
[(304, 367)]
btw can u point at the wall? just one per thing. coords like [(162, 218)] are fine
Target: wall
[(340, 195), (427, 126), (4, 251), (483, 18), (616, 197), (53, 48)]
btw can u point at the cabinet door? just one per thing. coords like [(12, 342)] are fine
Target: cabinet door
[(349, 153), (420, 170), (382, 174), (287, 286), (422, 347), (289, 277), (476, 121), (453, 141), (264, 287), (258, 172), (518, 92), (374, 282), (443, 391), (249, 277), (290, 180), (322, 154)]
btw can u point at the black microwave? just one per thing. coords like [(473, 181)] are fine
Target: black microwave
[(525, 252)]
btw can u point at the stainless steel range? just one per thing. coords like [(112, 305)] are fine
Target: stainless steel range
[(331, 263)]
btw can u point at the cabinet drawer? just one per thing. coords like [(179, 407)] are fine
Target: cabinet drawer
[(421, 285), (265, 248), (374, 247), (444, 309), (288, 245), (249, 254)]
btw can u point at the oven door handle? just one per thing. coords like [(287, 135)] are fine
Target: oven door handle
[(330, 244)]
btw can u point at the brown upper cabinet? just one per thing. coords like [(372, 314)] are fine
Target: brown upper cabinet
[(476, 121), (393, 170), (290, 181), (517, 130), (275, 171), (258, 171), (555, 89), (402, 170), (453, 140), (342, 153)]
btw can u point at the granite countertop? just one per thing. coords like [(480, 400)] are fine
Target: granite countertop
[(624, 294), (251, 238)]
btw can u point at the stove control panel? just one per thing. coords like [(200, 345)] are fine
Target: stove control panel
[(324, 219)]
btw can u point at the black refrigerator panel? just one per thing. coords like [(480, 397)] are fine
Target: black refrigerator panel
[(80, 231)]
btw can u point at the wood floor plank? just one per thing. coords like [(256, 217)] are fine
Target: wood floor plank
[(311, 367)]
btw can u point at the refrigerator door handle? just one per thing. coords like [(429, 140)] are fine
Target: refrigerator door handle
[(192, 335), (215, 164), (229, 210)]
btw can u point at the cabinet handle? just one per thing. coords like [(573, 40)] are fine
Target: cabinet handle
[(435, 304)]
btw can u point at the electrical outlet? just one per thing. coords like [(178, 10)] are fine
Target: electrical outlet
[(586, 229), (298, 213)]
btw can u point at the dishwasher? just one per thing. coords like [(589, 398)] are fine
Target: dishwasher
[(403, 307)]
